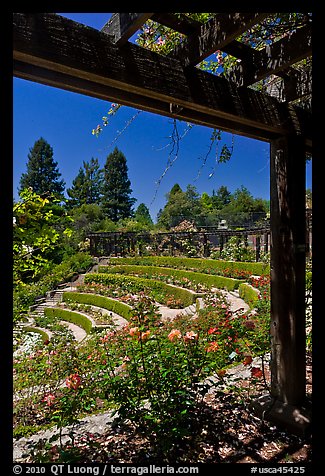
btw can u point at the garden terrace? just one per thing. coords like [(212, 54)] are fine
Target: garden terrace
[(232, 269), (103, 302), (52, 50), (160, 291), (186, 279)]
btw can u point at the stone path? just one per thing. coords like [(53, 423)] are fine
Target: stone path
[(78, 333), (235, 302)]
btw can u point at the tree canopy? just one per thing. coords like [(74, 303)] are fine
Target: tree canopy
[(87, 185), (117, 202), (43, 174)]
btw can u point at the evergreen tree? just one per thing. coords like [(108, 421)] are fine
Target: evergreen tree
[(42, 174), (142, 215), (77, 193), (87, 186), (221, 198), (116, 200)]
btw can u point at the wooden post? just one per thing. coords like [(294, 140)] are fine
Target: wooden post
[(288, 270), (266, 243), (287, 403), (258, 248), (221, 245)]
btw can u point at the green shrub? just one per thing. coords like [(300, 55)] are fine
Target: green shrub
[(248, 294), (158, 290), (101, 301), (198, 278), (24, 295), (44, 335), (70, 316), (197, 264)]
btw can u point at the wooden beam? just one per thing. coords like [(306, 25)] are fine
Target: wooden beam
[(49, 48), (121, 26), (181, 23), (274, 58), (109, 93), (294, 85), (214, 35)]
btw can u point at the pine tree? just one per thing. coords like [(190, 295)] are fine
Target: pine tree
[(77, 191), (87, 186), (116, 200), (142, 215), (42, 174)]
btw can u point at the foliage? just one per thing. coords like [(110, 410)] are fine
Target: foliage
[(87, 185), (69, 316), (25, 294), (154, 374), (237, 249), (96, 300), (160, 291), (180, 206), (188, 279), (248, 294), (116, 200), (34, 235), (142, 215), (86, 219), (209, 266), (239, 208), (42, 174)]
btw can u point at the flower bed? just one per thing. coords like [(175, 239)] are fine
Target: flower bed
[(101, 301), (161, 292), (151, 371)]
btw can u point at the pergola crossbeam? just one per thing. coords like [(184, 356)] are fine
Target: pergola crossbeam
[(121, 26), (273, 59), (179, 23), (47, 44), (214, 35)]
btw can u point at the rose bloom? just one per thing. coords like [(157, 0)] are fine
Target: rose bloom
[(256, 372), (49, 399), (106, 337), (249, 324), (221, 372), (212, 347), (189, 336), (248, 360), (73, 381), (134, 331), (144, 336), (174, 334)]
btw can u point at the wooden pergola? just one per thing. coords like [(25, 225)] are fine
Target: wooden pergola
[(55, 51)]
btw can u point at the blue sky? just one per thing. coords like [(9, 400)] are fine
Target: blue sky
[(66, 120)]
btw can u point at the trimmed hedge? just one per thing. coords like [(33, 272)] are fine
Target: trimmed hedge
[(208, 280), (196, 264), (155, 289), (37, 330), (101, 301), (70, 316), (248, 294)]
